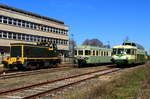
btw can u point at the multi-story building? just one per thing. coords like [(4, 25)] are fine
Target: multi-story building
[(19, 26)]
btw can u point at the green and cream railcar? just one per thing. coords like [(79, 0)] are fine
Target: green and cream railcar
[(92, 55), (129, 53)]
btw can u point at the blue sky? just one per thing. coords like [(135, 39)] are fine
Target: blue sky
[(106, 20)]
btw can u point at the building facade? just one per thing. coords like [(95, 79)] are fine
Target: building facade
[(19, 26)]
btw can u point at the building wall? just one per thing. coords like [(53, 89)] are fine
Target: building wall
[(19, 27)]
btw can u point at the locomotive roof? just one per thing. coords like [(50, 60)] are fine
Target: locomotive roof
[(22, 44), (91, 47), (27, 44)]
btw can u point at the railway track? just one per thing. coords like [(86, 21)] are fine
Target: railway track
[(42, 89), (27, 73)]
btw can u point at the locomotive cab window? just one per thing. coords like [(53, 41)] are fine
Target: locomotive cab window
[(15, 51)]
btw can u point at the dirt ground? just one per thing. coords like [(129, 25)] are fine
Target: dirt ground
[(33, 79)]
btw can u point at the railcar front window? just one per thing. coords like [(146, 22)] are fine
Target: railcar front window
[(15, 51), (120, 51), (80, 52)]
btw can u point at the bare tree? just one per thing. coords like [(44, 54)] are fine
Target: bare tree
[(93, 42)]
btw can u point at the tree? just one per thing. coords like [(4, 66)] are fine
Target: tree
[(93, 42)]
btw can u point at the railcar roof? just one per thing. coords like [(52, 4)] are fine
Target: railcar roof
[(125, 46), (136, 44), (91, 47)]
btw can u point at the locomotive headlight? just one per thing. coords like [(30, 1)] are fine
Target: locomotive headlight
[(17, 57)]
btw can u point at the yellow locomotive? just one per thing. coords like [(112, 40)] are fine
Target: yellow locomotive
[(30, 56)]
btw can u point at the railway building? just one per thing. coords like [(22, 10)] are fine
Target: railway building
[(19, 26)]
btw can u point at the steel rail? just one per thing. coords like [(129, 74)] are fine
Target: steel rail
[(65, 86), (47, 82), (13, 75)]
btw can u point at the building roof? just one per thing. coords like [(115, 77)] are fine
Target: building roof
[(29, 13)]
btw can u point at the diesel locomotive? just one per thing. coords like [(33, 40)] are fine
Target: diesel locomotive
[(129, 53), (30, 56)]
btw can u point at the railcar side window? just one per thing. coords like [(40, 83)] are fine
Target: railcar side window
[(93, 53), (97, 53), (128, 51), (80, 52), (87, 52), (75, 52), (101, 53)]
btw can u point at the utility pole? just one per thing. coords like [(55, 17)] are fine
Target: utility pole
[(126, 39), (108, 44), (71, 46)]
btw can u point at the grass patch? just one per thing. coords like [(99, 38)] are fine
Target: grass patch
[(128, 85)]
